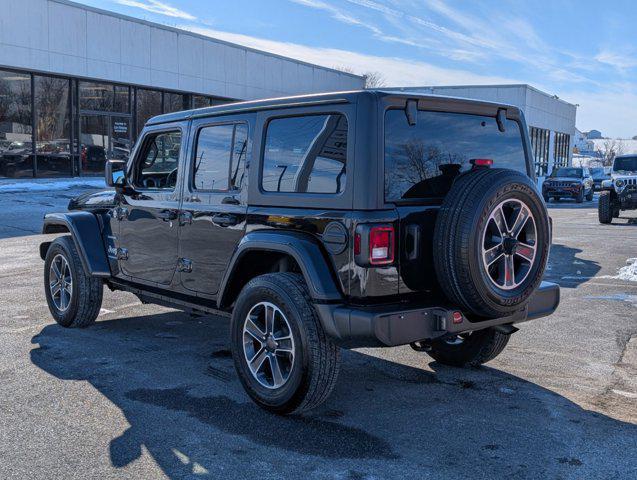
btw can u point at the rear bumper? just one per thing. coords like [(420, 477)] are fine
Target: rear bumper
[(387, 326)]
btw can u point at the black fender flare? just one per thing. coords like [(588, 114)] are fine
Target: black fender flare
[(86, 233), (305, 250)]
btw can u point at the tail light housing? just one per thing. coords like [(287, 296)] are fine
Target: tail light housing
[(374, 245)]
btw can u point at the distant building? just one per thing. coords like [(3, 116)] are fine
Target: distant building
[(582, 145), (551, 121), (594, 135)]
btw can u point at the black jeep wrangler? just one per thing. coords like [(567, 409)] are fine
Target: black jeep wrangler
[(318, 222)]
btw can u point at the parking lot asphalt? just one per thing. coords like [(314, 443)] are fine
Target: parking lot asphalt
[(150, 392)]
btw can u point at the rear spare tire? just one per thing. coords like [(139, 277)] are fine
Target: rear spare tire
[(491, 242)]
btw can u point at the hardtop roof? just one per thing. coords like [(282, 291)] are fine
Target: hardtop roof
[(307, 100)]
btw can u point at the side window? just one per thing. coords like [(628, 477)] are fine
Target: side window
[(159, 161), (219, 157), (305, 154)]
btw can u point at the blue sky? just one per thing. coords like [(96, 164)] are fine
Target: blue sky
[(583, 51)]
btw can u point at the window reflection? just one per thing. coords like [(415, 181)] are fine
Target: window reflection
[(16, 146), (148, 105), (52, 126)]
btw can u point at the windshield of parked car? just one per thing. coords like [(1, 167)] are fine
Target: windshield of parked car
[(422, 160), (625, 164), (567, 172), (598, 172)]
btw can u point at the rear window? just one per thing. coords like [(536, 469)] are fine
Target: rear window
[(422, 160), (305, 154)]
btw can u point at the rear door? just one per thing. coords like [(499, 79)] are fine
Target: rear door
[(421, 162), (212, 220)]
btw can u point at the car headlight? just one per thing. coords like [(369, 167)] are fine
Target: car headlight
[(619, 183)]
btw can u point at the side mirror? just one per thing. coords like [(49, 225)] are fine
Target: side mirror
[(114, 173)]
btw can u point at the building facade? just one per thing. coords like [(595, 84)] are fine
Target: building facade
[(551, 121), (77, 83)]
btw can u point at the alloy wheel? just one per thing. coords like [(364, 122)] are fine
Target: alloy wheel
[(60, 282), (268, 345), (509, 244)]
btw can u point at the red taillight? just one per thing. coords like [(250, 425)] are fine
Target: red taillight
[(381, 245), (481, 162), (457, 317)]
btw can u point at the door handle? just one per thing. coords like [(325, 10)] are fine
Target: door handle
[(224, 220), (167, 215)]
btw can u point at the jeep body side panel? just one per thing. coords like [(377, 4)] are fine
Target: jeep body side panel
[(303, 248), (87, 235)]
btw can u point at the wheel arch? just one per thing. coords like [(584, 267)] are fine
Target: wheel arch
[(264, 252), (86, 234)]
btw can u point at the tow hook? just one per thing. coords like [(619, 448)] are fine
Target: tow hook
[(506, 329)]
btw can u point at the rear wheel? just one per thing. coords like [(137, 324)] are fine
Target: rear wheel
[(74, 298), (605, 208), (469, 349), (282, 355), (491, 242)]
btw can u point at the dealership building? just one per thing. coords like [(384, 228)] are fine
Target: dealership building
[(551, 120), (77, 83)]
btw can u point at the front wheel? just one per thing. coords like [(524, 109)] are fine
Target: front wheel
[(282, 355), (74, 298), (605, 208), (580, 196), (589, 197), (469, 349)]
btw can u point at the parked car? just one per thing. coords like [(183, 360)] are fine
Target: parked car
[(569, 182), (599, 174), (620, 192), (318, 223)]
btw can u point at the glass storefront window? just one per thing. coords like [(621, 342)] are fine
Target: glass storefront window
[(52, 126), (16, 146), (104, 97), (174, 102), (200, 101), (148, 104)]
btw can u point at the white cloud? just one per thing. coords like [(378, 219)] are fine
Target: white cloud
[(621, 61), (396, 71), (154, 6)]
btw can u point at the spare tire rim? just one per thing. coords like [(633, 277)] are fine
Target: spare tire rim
[(60, 282), (509, 244), (268, 345)]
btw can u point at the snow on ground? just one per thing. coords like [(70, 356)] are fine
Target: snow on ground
[(629, 272), (43, 185)]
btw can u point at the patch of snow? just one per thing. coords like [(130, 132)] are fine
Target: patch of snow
[(628, 273), (48, 185), (618, 297)]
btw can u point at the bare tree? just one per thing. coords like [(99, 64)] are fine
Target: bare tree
[(374, 80), (610, 149)]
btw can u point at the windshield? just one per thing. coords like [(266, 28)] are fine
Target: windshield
[(597, 172), (625, 164), (422, 160), (567, 172)]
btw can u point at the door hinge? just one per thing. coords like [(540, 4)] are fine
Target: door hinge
[(185, 218), (184, 265), (122, 254)]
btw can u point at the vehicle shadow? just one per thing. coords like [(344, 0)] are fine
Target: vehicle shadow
[(172, 378), (567, 269)]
